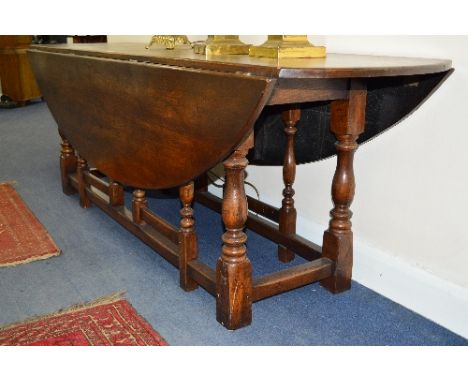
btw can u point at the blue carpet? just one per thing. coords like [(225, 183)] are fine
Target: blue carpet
[(99, 257)]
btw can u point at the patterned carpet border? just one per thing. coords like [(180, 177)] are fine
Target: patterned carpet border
[(35, 242), (74, 308), (85, 318)]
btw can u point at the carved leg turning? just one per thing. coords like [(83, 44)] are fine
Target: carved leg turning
[(234, 271), (138, 201), (82, 166), (68, 163), (116, 194), (347, 123), (287, 213), (187, 237)]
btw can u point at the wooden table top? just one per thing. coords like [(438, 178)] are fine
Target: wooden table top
[(332, 66), (184, 113)]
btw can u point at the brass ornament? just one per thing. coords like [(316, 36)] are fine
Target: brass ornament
[(169, 41), (199, 47), (287, 46), (217, 45)]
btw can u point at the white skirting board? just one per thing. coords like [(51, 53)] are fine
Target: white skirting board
[(418, 290)]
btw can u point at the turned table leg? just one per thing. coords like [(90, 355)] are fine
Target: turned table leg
[(82, 166), (68, 163), (287, 213), (347, 123), (187, 236), (234, 271)]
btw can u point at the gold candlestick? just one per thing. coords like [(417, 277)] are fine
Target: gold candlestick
[(287, 46), (169, 41), (216, 45), (199, 47)]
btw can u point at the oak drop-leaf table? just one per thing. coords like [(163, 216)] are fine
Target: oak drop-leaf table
[(159, 119)]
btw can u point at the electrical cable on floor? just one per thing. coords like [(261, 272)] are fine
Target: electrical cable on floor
[(212, 174)]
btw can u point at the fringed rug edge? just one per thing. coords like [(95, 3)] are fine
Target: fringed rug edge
[(74, 308), (12, 183), (31, 259)]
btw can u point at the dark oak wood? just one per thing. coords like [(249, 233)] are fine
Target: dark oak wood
[(163, 118), (96, 173), (287, 213), (160, 126), (203, 275), (96, 182), (82, 167), (292, 90), (233, 269), (333, 66), (347, 123), (153, 238), (291, 278), (187, 237), (138, 201), (116, 194), (263, 209), (202, 182), (68, 163), (299, 245), (159, 224)]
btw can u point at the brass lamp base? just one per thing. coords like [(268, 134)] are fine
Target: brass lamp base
[(169, 41), (288, 47), (216, 45), (199, 47)]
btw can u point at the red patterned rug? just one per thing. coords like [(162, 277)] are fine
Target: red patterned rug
[(105, 322), (22, 237)]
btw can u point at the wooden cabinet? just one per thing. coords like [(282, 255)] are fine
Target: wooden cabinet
[(16, 77)]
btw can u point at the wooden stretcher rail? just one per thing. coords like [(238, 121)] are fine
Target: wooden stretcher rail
[(291, 278), (92, 180), (95, 172), (164, 238), (159, 224), (303, 247), (203, 275), (263, 209), (299, 245), (157, 241)]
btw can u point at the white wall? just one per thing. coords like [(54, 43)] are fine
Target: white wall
[(410, 210), (412, 195), (411, 204)]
